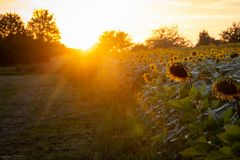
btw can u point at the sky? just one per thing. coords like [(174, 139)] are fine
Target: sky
[(81, 22)]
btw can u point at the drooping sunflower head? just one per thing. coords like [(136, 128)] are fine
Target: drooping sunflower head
[(234, 55), (178, 72), (226, 89)]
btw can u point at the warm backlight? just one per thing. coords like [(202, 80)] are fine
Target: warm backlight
[(82, 21)]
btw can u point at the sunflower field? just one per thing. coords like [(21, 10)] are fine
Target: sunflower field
[(187, 98)]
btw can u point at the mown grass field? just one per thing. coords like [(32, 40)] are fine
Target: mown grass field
[(44, 117)]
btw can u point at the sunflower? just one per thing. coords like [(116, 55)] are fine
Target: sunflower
[(139, 96), (234, 55), (194, 53), (153, 68), (178, 72), (148, 78), (171, 59), (161, 61), (226, 89), (190, 59)]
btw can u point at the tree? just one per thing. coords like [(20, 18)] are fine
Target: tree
[(114, 41), (43, 26), (11, 24), (166, 37), (139, 47), (231, 34), (206, 39)]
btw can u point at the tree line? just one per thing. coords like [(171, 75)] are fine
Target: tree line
[(39, 39), (35, 42), (165, 37)]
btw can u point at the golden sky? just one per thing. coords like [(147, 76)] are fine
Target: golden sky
[(82, 21)]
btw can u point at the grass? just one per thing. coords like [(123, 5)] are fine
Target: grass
[(45, 117)]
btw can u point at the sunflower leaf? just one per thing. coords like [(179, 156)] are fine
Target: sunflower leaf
[(196, 151)]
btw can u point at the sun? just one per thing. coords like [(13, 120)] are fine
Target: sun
[(76, 42), (82, 22)]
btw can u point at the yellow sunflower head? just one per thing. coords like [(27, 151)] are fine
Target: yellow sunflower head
[(153, 67), (175, 58), (226, 89), (185, 59), (190, 59), (148, 78), (194, 53), (178, 72), (139, 97)]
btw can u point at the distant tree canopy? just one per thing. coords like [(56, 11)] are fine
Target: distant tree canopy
[(114, 41), (231, 34), (34, 44), (43, 26), (166, 37), (206, 39), (23, 49), (139, 47), (11, 24)]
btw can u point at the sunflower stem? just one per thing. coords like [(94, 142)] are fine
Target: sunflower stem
[(190, 83), (238, 110)]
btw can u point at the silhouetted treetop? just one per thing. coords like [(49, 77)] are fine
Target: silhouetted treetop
[(10, 25), (139, 47), (166, 37), (114, 41), (232, 34), (43, 26), (206, 39)]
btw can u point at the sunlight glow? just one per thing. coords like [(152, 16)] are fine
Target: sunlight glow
[(81, 22)]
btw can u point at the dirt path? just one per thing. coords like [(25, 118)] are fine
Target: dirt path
[(44, 117)]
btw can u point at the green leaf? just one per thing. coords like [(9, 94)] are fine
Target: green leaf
[(222, 137), (214, 104), (214, 116), (157, 138), (226, 150), (196, 151), (183, 93), (233, 133), (202, 89), (188, 116), (194, 127), (160, 137), (193, 92), (180, 104), (205, 103), (227, 115), (202, 139), (223, 153), (187, 102), (174, 103)]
